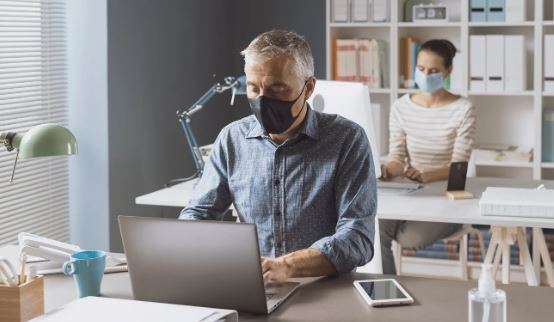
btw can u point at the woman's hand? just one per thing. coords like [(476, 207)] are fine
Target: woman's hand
[(427, 176), (414, 174), (391, 169)]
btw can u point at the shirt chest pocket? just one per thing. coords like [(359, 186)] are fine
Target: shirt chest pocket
[(318, 179), (250, 196)]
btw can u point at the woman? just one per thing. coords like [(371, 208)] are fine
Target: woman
[(428, 130)]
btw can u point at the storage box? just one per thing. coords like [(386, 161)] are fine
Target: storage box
[(23, 302)]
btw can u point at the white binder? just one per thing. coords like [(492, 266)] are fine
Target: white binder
[(94, 309), (515, 67), (360, 10), (495, 63), (380, 10), (516, 10), (340, 11), (549, 63), (477, 61)]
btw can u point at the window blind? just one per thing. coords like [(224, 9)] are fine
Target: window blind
[(33, 90)]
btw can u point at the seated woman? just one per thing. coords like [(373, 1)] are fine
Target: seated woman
[(428, 130)]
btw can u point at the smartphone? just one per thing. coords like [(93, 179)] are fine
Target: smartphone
[(457, 176), (383, 292)]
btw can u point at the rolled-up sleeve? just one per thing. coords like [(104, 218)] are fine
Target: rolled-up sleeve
[(356, 205), (211, 197)]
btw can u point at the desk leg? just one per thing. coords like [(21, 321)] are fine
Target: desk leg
[(541, 245), (527, 262), (505, 257), (536, 254), (492, 251)]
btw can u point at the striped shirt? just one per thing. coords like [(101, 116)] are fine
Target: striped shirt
[(431, 138)]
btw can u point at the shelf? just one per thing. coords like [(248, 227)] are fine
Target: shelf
[(548, 93), (407, 90), (548, 165), (548, 23), (504, 164), (379, 90), (524, 93), (359, 24), (429, 24), (502, 24)]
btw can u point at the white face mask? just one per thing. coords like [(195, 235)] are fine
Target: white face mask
[(429, 83)]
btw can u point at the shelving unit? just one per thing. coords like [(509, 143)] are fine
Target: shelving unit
[(513, 118)]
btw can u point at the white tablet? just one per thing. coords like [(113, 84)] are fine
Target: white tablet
[(382, 292)]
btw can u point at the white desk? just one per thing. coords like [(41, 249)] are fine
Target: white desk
[(428, 204), (174, 196)]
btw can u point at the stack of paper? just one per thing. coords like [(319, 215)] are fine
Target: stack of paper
[(517, 202), (94, 309)]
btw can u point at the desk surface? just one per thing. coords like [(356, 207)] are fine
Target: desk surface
[(335, 299), (427, 204), (431, 204)]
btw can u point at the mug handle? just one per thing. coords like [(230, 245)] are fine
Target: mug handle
[(69, 268)]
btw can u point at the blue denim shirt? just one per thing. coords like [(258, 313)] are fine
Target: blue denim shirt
[(316, 190)]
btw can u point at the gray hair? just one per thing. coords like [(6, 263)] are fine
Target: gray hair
[(274, 43)]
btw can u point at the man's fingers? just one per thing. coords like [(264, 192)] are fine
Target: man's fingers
[(266, 265), (267, 277)]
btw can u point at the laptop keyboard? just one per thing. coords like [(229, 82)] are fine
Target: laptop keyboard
[(269, 296)]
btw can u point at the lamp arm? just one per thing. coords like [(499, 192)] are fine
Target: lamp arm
[(184, 116)]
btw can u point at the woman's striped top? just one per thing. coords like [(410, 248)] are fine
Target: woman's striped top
[(431, 138)]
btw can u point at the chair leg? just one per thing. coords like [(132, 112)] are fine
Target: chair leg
[(463, 257)]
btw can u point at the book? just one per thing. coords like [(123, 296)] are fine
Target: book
[(360, 60)]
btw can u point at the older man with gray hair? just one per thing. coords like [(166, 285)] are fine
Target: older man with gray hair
[(306, 179)]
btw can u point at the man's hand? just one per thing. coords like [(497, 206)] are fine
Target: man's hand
[(275, 270)]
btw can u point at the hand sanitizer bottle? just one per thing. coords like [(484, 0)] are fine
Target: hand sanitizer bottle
[(486, 303)]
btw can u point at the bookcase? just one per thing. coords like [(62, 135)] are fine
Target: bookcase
[(503, 117)]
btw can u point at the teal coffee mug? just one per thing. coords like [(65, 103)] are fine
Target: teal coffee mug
[(87, 268)]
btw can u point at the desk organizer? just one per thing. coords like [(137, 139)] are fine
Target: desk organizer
[(23, 302)]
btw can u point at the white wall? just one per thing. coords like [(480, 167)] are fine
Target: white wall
[(88, 120)]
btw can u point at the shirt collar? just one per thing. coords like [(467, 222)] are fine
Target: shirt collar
[(309, 128)]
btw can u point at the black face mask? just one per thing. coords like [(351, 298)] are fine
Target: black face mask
[(274, 115)]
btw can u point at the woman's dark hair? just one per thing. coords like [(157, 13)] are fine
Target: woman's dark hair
[(441, 47)]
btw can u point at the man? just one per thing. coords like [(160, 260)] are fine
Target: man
[(306, 179)]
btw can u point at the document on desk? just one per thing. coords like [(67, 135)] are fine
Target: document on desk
[(94, 309), (397, 187), (517, 202)]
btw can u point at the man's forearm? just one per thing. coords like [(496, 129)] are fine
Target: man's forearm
[(308, 262)]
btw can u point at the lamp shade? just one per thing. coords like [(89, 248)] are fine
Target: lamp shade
[(47, 140)]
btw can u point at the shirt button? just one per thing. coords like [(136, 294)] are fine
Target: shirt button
[(277, 182), (277, 213)]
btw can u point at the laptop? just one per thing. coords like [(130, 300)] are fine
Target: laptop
[(200, 263)]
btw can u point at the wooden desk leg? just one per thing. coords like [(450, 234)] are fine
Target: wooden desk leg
[(541, 245), (497, 257), (536, 255), (505, 257), (527, 262), (494, 250)]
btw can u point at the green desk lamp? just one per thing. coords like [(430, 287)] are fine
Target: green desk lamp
[(43, 140)]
